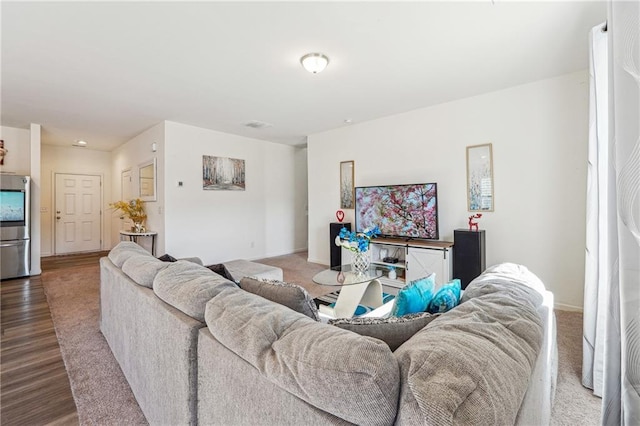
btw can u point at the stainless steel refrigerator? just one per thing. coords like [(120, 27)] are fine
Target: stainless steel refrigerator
[(15, 248)]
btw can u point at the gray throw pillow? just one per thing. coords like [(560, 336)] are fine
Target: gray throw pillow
[(394, 331), (221, 270), (290, 295)]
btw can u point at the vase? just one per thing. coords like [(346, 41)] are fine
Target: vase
[(361, 261), (138, 227)]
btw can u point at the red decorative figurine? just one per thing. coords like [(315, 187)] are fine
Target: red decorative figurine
[(473, 224), (340, 215)]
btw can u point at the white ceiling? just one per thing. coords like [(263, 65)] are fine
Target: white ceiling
[(106, 71)]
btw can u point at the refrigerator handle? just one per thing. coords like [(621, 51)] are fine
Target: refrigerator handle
[(4, 244)]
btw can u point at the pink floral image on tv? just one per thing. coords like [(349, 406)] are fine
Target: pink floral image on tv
[(409, 211)]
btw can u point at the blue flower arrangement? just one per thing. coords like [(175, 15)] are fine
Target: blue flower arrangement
[(356, 241)]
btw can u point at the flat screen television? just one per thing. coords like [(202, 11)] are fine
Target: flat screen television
[(404, 211), (12, 208)]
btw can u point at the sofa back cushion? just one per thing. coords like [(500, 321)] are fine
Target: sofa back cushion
[(472, 364), (504, 277), (123, 251), (142, 269), (350, 376), (290, 295), (188, 287)]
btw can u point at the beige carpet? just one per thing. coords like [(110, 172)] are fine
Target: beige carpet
[(101, 392), (103, 396), (574, 404), (297, 270)]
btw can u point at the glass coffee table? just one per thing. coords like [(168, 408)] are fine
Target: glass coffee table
[(355, 288)]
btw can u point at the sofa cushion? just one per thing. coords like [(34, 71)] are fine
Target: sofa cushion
[(241, 268), (290, 295), (446, 298), (221, 270), (347, 375), (394, 331), (478, 364), (143, 269), (414, 297), (503, 277), (123, 251), (188, 287)]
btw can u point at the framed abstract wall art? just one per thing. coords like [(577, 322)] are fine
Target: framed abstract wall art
[(480, 178), (222, 174), (347, 191)]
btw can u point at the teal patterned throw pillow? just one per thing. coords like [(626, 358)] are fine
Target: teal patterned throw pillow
[(446, 298), (415, 297)]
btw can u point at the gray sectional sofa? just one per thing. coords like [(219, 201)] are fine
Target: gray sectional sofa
[(197, 349)]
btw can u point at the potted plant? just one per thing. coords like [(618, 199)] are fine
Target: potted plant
[(358, 243), (134, 210)]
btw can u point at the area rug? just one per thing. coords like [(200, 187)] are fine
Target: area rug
[(100, 390)]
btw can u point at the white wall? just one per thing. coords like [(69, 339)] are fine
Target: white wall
[(35, 143), (539, 136), (128, 157), (18, 143), (72, 160), (264, 220)]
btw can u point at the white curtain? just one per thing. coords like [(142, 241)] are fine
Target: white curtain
[(599, 263), (611, 344)]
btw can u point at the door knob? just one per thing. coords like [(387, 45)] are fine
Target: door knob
[(58, 217), (58, 211)]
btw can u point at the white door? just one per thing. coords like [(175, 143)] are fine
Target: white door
[(127, 185), (127, 194), (78, 213)]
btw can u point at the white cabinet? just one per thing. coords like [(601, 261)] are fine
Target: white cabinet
[(422, 261), (416, 259)]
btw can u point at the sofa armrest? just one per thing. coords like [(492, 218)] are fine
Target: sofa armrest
[(538, 400)]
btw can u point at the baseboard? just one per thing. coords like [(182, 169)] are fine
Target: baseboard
[(268, 255), (318, 261), (564, 307)]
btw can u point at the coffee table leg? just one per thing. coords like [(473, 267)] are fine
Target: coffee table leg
[(351, 296), (372, 295)]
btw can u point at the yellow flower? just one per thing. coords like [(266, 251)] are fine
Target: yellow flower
[(133, 209)]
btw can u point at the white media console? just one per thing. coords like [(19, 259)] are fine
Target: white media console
[(416, 259)]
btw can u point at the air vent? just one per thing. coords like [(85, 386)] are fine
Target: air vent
[(254, 124)]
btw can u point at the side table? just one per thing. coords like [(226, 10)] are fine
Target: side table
[(133, 236)]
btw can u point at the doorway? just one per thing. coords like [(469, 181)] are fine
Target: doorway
[(78, 213)]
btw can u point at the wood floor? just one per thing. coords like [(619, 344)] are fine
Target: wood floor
[(34, 386)]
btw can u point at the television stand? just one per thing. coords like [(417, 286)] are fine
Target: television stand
[(416, 259)]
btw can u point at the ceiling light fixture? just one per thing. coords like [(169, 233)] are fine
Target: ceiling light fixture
[(314, 62), (81, 142)]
